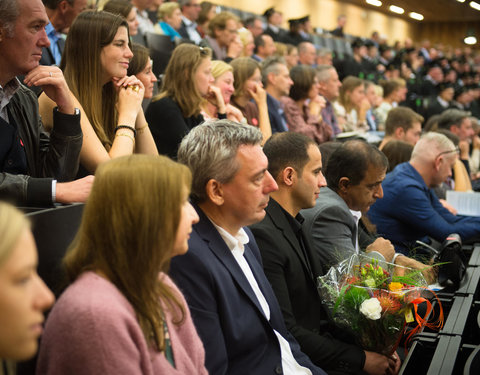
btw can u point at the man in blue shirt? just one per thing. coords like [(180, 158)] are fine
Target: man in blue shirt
[(410, 210), (61, 14)]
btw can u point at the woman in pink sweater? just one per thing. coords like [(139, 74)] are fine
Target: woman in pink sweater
[(121, 313)]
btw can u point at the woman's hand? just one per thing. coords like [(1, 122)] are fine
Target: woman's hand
[(130, 95), (234, 114), (316, 105), (215, 97), (259, 95)]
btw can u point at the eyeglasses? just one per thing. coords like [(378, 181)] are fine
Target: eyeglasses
[(194, 5), (456, 150)]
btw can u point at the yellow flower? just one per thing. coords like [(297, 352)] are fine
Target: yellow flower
[(395, 287)]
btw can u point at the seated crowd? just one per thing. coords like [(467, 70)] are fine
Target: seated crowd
[(210, 214)]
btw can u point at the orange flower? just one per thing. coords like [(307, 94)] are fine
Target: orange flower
[(395, 287)]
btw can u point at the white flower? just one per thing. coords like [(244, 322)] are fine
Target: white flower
[(371, 308)]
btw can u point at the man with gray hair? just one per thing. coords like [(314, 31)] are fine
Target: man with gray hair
[(31, 160), (232, 303), (277, 82), (307, 53), (329, 88), (410, 210)]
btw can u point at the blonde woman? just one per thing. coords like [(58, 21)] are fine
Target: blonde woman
[(170, 20), (95, 62), (121, 313), (223, 75), (23, 295)]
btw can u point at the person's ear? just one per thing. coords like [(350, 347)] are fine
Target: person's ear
[(215, 192), (289, 176), (62, 6), (343, 184), (399, 133)]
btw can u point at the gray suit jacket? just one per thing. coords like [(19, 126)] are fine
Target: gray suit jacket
[(332, 229)]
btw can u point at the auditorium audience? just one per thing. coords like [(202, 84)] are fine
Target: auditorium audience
[(402, 124), (121, 313), (291, 57), (223, 75), (145, 24), (208, 10), (190, 12), (254, 25), (354, 174), (418, 214), (113, 123), (169, 20), (222, 37), (61, 16), (303, 106), (277, 82), (140, 66), (176, 110), (274, 28), (235, 310), (31, 160), (248, 43), (126, 9), (392, 95), (329, 87), (248, 86), (307, 54), (264, 47), (23, 295), (352, 106), (291, 265)]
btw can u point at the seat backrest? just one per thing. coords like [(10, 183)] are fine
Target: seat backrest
[(54, 230)]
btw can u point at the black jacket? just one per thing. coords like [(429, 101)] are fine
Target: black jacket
[(54, 156)]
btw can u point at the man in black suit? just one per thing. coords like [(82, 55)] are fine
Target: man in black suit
[(292, 267), (274, 20)]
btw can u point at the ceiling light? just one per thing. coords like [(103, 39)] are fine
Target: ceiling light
[(475, 5), (470, 40), (398, 10), (461, 1), (416, 16), (375, 3)]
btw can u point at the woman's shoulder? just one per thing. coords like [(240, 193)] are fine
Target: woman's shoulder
[(91, 297)]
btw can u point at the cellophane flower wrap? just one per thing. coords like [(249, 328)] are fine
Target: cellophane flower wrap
[(373, 300)]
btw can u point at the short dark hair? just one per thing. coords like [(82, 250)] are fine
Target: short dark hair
[(401, 117), (303, 77), (352, 160), (53, 4), (259, 42), (452, 117), (287, 149)]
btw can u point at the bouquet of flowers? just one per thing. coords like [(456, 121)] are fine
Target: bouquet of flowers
[(374, 300)]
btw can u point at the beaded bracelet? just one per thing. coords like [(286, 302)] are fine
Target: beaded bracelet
[(127, 127), (125, 135)]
